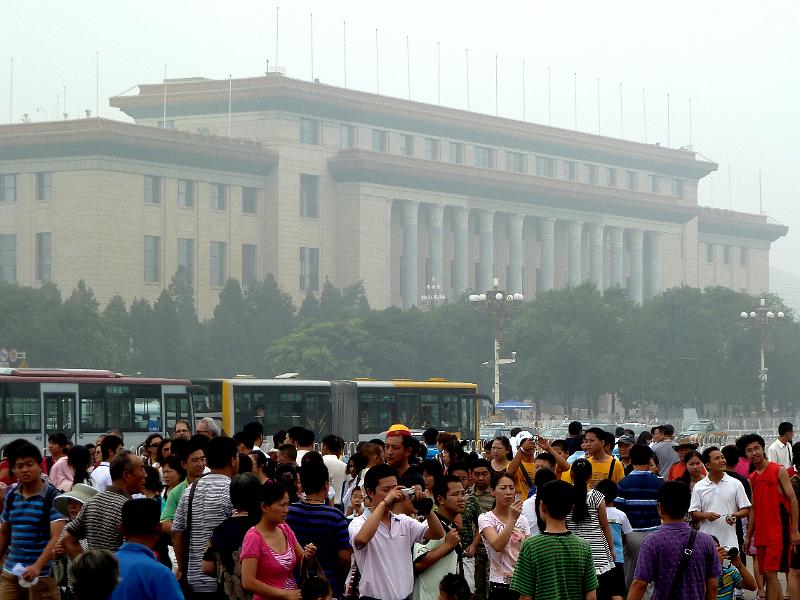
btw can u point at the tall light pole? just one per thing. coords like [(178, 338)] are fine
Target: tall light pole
[(763, 318), (499, 304)]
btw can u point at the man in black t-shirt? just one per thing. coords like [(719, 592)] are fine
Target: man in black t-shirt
[(575, 430)]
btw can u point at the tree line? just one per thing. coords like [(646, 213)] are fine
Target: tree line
[(685, 347)]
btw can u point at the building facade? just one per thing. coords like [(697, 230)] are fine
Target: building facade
[(351, 186)]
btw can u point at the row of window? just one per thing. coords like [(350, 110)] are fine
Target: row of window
[(727, 252), (8, 187), (486, 158), (309, 263), (8, 257), (187, 191)]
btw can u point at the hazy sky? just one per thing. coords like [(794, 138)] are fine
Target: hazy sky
[(735, 60)]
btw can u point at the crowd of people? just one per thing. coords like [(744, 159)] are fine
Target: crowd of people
[(594, 516)]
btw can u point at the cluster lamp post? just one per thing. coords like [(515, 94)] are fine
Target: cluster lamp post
[(499, 304), (763, 318)]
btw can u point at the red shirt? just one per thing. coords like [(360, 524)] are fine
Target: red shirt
[(770, 506)]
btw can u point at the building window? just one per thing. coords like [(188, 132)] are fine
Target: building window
[(152, 259), (219, 196), (8, 257), (185, 193), (515, 162), (743, 256), (249, 200), (590, 174), (309, 196), (8, 188), (677, 188), (44, 187), (44, 256), (432, 148), (248, 265), (380, 140), (457, 153), (570, 170), (484, 157), (309, 269), (726, 255), (349, 140), (655, 184), (152, 189), (632, 180), (709, 253), (186, 257), (168, 124), (407, 145), (218, 263), (309, 131), (545, 167), (612, 177)]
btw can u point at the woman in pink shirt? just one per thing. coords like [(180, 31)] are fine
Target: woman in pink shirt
[(270, 550), (72, 469)]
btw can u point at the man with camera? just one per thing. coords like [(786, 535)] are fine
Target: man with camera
[(383, 540), (437, 558)]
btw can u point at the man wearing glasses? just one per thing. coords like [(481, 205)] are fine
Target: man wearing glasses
[(182, 430)]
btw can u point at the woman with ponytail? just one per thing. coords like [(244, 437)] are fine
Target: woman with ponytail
[(588, 521)]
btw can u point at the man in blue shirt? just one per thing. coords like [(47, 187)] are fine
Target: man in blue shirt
[(637, 497), (29, 528), (141, 576)]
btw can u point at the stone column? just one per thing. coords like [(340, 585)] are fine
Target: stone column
[(596, 248), (617, 257), (460, 251), (515, 245), (637, 265), (548, 244), (574, 250), (436, 251), (486, 256), (389, 252), (654, 263), (410, 255)]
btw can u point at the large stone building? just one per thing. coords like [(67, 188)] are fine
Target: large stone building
[(351, 186)]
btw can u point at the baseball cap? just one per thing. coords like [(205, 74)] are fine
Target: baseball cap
[(690, 445), (522, 436), (626, 439), (398, 429)]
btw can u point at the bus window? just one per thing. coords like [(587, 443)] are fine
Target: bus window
[(377, 412), (21, 408), (92, 408), (147, 408), (250, 404), (468, 431), (318, 414)]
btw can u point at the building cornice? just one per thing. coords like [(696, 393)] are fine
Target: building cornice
[(200, 96), (388, 169), (102, 137)]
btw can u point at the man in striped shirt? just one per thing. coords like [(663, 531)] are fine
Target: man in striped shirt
[(29, 528), (638, 499), (100, 521), (211, 505)]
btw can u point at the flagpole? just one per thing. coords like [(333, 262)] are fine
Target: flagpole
[(438, 73), (467, 78), (344, 50), (277, 34), (230, 102), (377, 65), (311, 28), (164, 123), (621, 129), (408, 67), (523, 92), (644, 114)]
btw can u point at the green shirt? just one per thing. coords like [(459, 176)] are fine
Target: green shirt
[(171, 505), (555, 565)]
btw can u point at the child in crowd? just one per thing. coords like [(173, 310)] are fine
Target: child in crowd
[(734, 574), (620, 527), (356, 506)]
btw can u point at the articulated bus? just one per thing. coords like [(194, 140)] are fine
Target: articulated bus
[(84, 403), (356, 410)]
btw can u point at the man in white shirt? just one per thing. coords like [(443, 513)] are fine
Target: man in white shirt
[(332, 446), (382, 540), (719, 500), (780, 451), (303, 440), (101, 476)]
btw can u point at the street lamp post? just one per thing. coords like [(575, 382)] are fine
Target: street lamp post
[(763, 318), (499, 304), (433, 295)]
